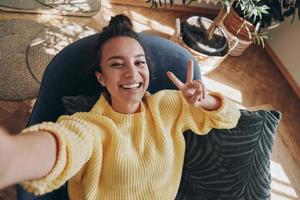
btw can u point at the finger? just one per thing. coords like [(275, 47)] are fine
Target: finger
[(190, 88), (188, 91), (194, 85), (202, 88), (190, 71), (196, 98), (197, 84), (175, 80), (203, 91)]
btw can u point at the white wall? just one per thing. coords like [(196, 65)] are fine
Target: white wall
[(285, 43)]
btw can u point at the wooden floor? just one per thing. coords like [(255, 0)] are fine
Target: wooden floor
[(250, 80)]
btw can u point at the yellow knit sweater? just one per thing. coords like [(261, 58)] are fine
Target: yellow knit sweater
[(108, 155)]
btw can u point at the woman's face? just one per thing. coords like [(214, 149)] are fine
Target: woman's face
[(124, 72)]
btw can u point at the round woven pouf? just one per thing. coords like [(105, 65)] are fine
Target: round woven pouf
[(48, 42), (16, 80), (26, 49)]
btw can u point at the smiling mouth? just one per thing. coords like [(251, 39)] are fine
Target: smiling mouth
[(131, 86)]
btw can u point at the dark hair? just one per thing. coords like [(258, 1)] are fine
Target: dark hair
[(119, 20), (120, 25)]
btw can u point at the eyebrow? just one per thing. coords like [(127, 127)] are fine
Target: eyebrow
[(121, 57)]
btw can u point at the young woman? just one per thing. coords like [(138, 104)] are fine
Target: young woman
[(130, 144)]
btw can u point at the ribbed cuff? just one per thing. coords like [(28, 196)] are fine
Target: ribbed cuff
[(49, 182)]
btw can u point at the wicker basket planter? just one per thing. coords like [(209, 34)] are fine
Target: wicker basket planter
[(241, 46), (236, 26)]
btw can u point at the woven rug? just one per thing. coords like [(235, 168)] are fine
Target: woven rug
[(16, 80), (48, 42), (85, 8), (26, 48)]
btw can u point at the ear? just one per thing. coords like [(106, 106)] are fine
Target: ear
[(99, 77)]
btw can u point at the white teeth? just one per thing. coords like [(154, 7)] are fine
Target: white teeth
[(134, 85)]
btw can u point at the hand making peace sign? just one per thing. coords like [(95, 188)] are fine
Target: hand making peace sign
[(193, 90)]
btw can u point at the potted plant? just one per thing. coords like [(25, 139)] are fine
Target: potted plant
[(264, 12), (202, 37), (244, 21), (248, 20)]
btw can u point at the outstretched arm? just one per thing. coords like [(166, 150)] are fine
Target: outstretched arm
[(25, 156), (194, 91)]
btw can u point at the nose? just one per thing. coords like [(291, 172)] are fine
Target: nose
[(131, 70)]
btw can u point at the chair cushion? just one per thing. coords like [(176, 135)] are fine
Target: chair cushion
[(80, 103), (224, 164), (233, 163)]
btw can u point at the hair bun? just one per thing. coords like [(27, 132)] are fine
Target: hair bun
[(120, 20)]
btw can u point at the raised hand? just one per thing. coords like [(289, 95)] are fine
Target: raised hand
[(194, 90)]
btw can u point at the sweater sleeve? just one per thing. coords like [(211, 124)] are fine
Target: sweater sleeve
[(201, 121), (75, 145)]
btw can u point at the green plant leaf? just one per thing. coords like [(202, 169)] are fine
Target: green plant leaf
[(227, 5), (258, 40), (265, 11)]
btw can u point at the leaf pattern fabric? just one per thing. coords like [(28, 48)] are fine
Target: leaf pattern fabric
[(231, 164)]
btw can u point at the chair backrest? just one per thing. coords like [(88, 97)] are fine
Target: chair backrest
[(68, 74)]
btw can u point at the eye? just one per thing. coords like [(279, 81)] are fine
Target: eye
[(116, 65), (140, 62)]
